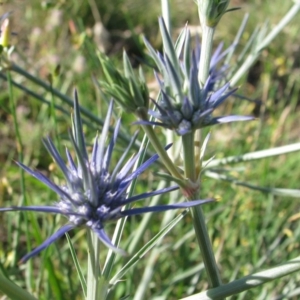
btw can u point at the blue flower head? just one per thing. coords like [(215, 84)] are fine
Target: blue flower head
[(184, 105), (94, 193)]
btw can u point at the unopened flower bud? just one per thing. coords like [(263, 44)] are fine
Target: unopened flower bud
[(5, 33), (211, 11)]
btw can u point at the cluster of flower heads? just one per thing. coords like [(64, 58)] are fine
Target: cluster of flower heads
[(94, 193), (183, 104)]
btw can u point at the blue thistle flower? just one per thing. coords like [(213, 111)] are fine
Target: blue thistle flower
[(183, 104), (93, 194)]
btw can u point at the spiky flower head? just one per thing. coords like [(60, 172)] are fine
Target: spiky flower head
[(94, 193), (128, 89), (184, 105)]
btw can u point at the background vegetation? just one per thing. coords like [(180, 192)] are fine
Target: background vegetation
[(56, 41)]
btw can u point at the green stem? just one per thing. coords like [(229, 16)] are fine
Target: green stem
[(206, 52), (189, 156), (206, 247), (198, 217), (161, 152), (152, 136), (93, 280)]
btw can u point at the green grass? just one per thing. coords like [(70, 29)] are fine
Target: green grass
[(250, 230)]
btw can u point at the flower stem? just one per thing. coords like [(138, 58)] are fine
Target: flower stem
[(189, 156), (159, 148), (161, 152), (198, 217), (206, 51), (93, 280), (206, 247)]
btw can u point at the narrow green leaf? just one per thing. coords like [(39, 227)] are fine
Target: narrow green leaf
[(13, 291), (136, 94), (128, 71), (255, 155), (180, 42), (187, 54), (110, 258), (77, 265), (237, 39), (145, 249), (77, 128), (168, 45), (274, 191), (175, 81), (248, 282), (169, 177), (180, 277), (154, 56)]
